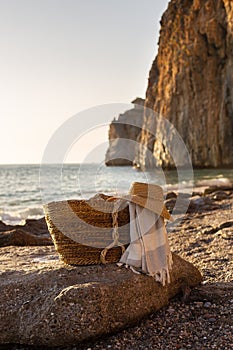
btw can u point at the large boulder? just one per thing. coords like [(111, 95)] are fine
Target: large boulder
[(45, 303)]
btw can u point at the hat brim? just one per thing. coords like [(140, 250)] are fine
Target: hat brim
[(153, 205)]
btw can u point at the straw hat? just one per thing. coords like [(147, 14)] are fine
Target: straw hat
[(148, 196)]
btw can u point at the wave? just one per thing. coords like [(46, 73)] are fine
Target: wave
[(20, 196), (18, 217), (218, 181)]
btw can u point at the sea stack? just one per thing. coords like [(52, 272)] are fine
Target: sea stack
[(123, 135)]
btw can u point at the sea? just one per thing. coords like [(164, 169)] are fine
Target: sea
[(25, 188)]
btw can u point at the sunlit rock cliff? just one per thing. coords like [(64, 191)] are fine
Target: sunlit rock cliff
[(191, 83)]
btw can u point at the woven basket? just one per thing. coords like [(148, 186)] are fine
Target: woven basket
[(80, 244)]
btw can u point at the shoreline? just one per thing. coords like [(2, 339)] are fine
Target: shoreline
[(202, 320), (220, 184)]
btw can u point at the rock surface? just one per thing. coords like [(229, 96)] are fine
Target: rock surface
[(45, 303), (191, 84), (32, 233), (123, 134)]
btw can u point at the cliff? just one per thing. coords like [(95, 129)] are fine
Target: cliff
[(191, 83), (123, 134)]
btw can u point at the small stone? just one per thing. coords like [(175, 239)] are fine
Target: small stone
[(227, 235), (171, 195), (220, 195), (171, 310), (204, 282), (212, 319), (207, 304)]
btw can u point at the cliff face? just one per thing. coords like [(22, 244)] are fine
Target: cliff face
[(191, 83), (123, 134)]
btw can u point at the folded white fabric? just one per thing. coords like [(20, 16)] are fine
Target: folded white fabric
[(149, 250)]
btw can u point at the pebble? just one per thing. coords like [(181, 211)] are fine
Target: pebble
[(170, 310), (207, 304), (220, 195), (171, 195)]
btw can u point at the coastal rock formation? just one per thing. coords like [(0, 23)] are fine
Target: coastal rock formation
[(191, 84), (32, 233), (45, 303), (20, 238), (123, 134)]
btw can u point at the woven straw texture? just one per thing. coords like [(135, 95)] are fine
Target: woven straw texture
[(149, 196), (81, 229)]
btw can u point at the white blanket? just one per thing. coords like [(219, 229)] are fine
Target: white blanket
[(149, 250)]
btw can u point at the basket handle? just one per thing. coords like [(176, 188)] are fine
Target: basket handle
[(115, 233)]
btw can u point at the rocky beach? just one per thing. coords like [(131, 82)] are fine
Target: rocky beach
[(33, 278), (184, 122)]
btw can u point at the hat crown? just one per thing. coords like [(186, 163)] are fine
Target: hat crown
[(146, 191)]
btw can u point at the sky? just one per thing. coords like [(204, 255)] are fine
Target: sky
[(61, 57)]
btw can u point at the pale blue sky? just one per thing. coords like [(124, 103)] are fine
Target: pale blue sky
[(59, 57)]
